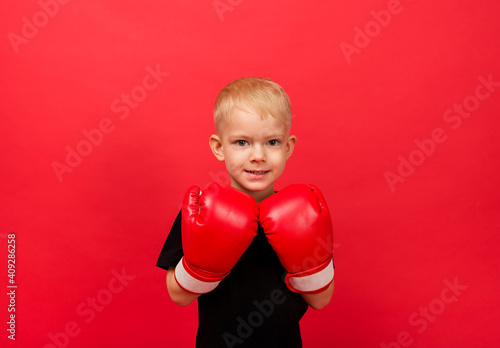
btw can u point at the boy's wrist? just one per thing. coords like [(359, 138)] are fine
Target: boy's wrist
[(196, 285), (312, 281)]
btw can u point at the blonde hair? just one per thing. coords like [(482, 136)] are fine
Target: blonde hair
[(262, 95)]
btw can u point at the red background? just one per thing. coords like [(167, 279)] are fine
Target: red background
[(394, 248)]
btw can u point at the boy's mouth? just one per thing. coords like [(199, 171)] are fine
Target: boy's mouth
[(257, 173)]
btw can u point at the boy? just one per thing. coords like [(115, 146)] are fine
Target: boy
[(254, 258)]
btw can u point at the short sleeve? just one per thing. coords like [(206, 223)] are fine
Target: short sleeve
[(171, 253)]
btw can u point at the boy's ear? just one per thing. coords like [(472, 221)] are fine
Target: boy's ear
[(290, 145), (216, 146)]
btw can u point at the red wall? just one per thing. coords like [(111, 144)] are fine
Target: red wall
[(396, 109)]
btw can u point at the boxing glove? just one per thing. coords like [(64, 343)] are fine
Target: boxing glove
[(218, 225), (298, 226)]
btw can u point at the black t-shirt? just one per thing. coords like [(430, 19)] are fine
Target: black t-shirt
[(251, 307)]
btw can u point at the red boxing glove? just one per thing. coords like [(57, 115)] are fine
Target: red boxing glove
[(298, 226), (218, 225)]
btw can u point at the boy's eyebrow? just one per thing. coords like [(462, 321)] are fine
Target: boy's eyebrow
[(244, 136)]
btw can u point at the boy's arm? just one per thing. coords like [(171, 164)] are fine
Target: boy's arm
[(180, 296), (298, 226), (319, 300)]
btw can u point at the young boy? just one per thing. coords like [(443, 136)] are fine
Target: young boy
[(254, 258)]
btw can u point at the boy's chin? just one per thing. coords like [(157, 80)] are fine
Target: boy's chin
[(256, 187)]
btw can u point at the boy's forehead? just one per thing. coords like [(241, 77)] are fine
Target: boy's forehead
[(244, 123)]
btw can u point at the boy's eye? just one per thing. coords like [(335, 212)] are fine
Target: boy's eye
[(241, 142), (274, 142)]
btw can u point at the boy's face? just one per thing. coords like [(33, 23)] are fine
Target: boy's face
[(255, 151)]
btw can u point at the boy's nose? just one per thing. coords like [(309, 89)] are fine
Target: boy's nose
[(258, 154)]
